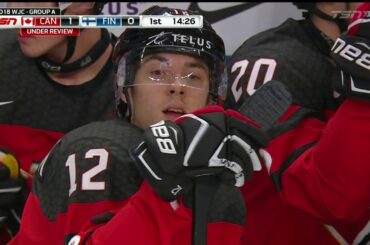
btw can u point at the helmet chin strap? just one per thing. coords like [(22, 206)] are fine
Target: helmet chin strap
[(341, 23), (71, 45), (89, 58)]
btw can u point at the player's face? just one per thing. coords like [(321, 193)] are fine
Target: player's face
[(37, 46), (167, 86)]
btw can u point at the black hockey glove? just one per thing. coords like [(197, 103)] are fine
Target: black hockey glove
[(208, 142), (351, 52)]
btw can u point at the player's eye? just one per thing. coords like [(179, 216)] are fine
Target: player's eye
[(158, 74), (193, 77)]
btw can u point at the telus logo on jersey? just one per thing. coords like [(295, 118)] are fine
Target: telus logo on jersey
[(171, 38)]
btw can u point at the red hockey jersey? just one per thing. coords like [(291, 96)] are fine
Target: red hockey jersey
[(319, 176)]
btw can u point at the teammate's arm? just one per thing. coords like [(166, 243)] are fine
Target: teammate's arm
[(321, 167)]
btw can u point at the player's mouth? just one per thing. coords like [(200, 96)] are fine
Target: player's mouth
[(173, 113)]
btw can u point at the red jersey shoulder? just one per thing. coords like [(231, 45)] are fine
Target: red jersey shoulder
[(90, 164)]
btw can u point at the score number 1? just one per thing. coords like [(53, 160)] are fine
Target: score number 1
[(70, 21)]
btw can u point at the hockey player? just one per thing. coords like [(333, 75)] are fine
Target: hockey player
[(161, 74), (48, 86), (321, 174), (296, 53), (319, 166), (60, 82)]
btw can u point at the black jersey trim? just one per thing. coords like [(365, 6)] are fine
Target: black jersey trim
[(276, 176), (290, 124)]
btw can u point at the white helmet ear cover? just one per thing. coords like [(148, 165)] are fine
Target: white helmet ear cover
[(119, 85), (222, 86), (121, 72)]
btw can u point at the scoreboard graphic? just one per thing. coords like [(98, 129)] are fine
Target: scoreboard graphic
[(49, 22)]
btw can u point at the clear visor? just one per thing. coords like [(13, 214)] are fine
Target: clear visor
[(164, 69), (169, 69)]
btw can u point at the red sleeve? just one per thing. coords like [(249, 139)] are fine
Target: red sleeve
[(29, 145), (147, 219), (37, 229), (323, 168), (34, 232), (64, 196)]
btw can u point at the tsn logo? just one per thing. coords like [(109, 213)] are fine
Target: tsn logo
[(351, 53), (6, 21), (164, 143), (349, 14)]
